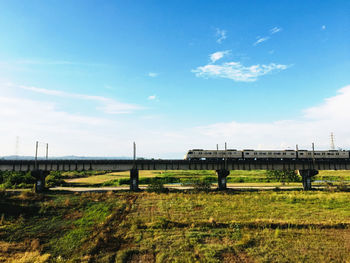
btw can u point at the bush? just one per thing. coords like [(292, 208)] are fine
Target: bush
[(284, 176), (199, 185), (55, 178), (157, 186), (16, 179)]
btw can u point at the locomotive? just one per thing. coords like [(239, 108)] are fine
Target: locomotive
[(232, 154)]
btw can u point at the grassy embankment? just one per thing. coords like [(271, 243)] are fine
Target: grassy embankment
[(263, 226)]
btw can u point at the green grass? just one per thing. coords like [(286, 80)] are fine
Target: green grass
[(232, 226), (239, 178), (167, 177)]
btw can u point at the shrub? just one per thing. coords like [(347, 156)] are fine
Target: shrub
[(55, 178), (198, 185), (16, 179), (283, 176), (157, 186)]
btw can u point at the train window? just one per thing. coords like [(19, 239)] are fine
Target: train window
[(323, 153), (255, 153), (247, 153), (337, 154), (190, 152), (292, 153), (301, 154), (284, 153)]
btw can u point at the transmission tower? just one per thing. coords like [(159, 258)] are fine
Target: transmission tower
[(332, 141)]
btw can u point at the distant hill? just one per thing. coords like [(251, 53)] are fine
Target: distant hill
[(69, 157)]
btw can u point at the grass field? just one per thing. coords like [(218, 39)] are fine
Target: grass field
[(232, 226), (252, 178)]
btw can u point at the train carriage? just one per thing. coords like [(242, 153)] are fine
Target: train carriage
[(200, 154), (232, 154), (265, 154)]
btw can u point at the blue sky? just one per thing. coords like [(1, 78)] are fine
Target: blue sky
[(172, 75)]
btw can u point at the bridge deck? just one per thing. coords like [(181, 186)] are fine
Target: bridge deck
[(124, 165)]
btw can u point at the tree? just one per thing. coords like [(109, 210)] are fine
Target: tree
[(283, 176)]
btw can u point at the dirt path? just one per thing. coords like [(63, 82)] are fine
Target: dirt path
[(177, 187)]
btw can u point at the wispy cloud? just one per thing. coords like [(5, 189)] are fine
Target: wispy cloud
[(220, 35), (261, 40), (152, 97), (236, 71), (275, 30), (153, 74), (218, 55), (272, 31), (108, 105)]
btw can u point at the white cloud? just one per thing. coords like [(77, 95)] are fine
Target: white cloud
[(275, 30), (260, 40), (108, 105), (323, 27), (337, 107), (236, 71), (272, 31), (153, 74), (220, 35), (80, 134), (315, 125), (152, 97), (218, 55)]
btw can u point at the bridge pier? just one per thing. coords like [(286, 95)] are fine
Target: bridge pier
[(222, 178), (134, 180), (39, 180), (306, 176)]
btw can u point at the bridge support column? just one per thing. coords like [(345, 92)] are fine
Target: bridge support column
[(306, 176), (134, 180), (39, 180), (222, 178)]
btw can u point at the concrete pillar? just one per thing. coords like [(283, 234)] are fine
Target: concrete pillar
[(306, 177), (134, 180), (222, 178), (39, 180)]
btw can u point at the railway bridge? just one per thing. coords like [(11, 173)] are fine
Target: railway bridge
[(41, 168)]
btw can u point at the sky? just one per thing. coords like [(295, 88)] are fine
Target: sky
[(91, 77)]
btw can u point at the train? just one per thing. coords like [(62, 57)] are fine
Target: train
[(232, 154)]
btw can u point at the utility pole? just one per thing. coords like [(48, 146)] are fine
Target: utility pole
[(47, 151), (332, 141), (225, 156), (17, 147), (36, 154), (313, 154), (134, 151), (217, 152)]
